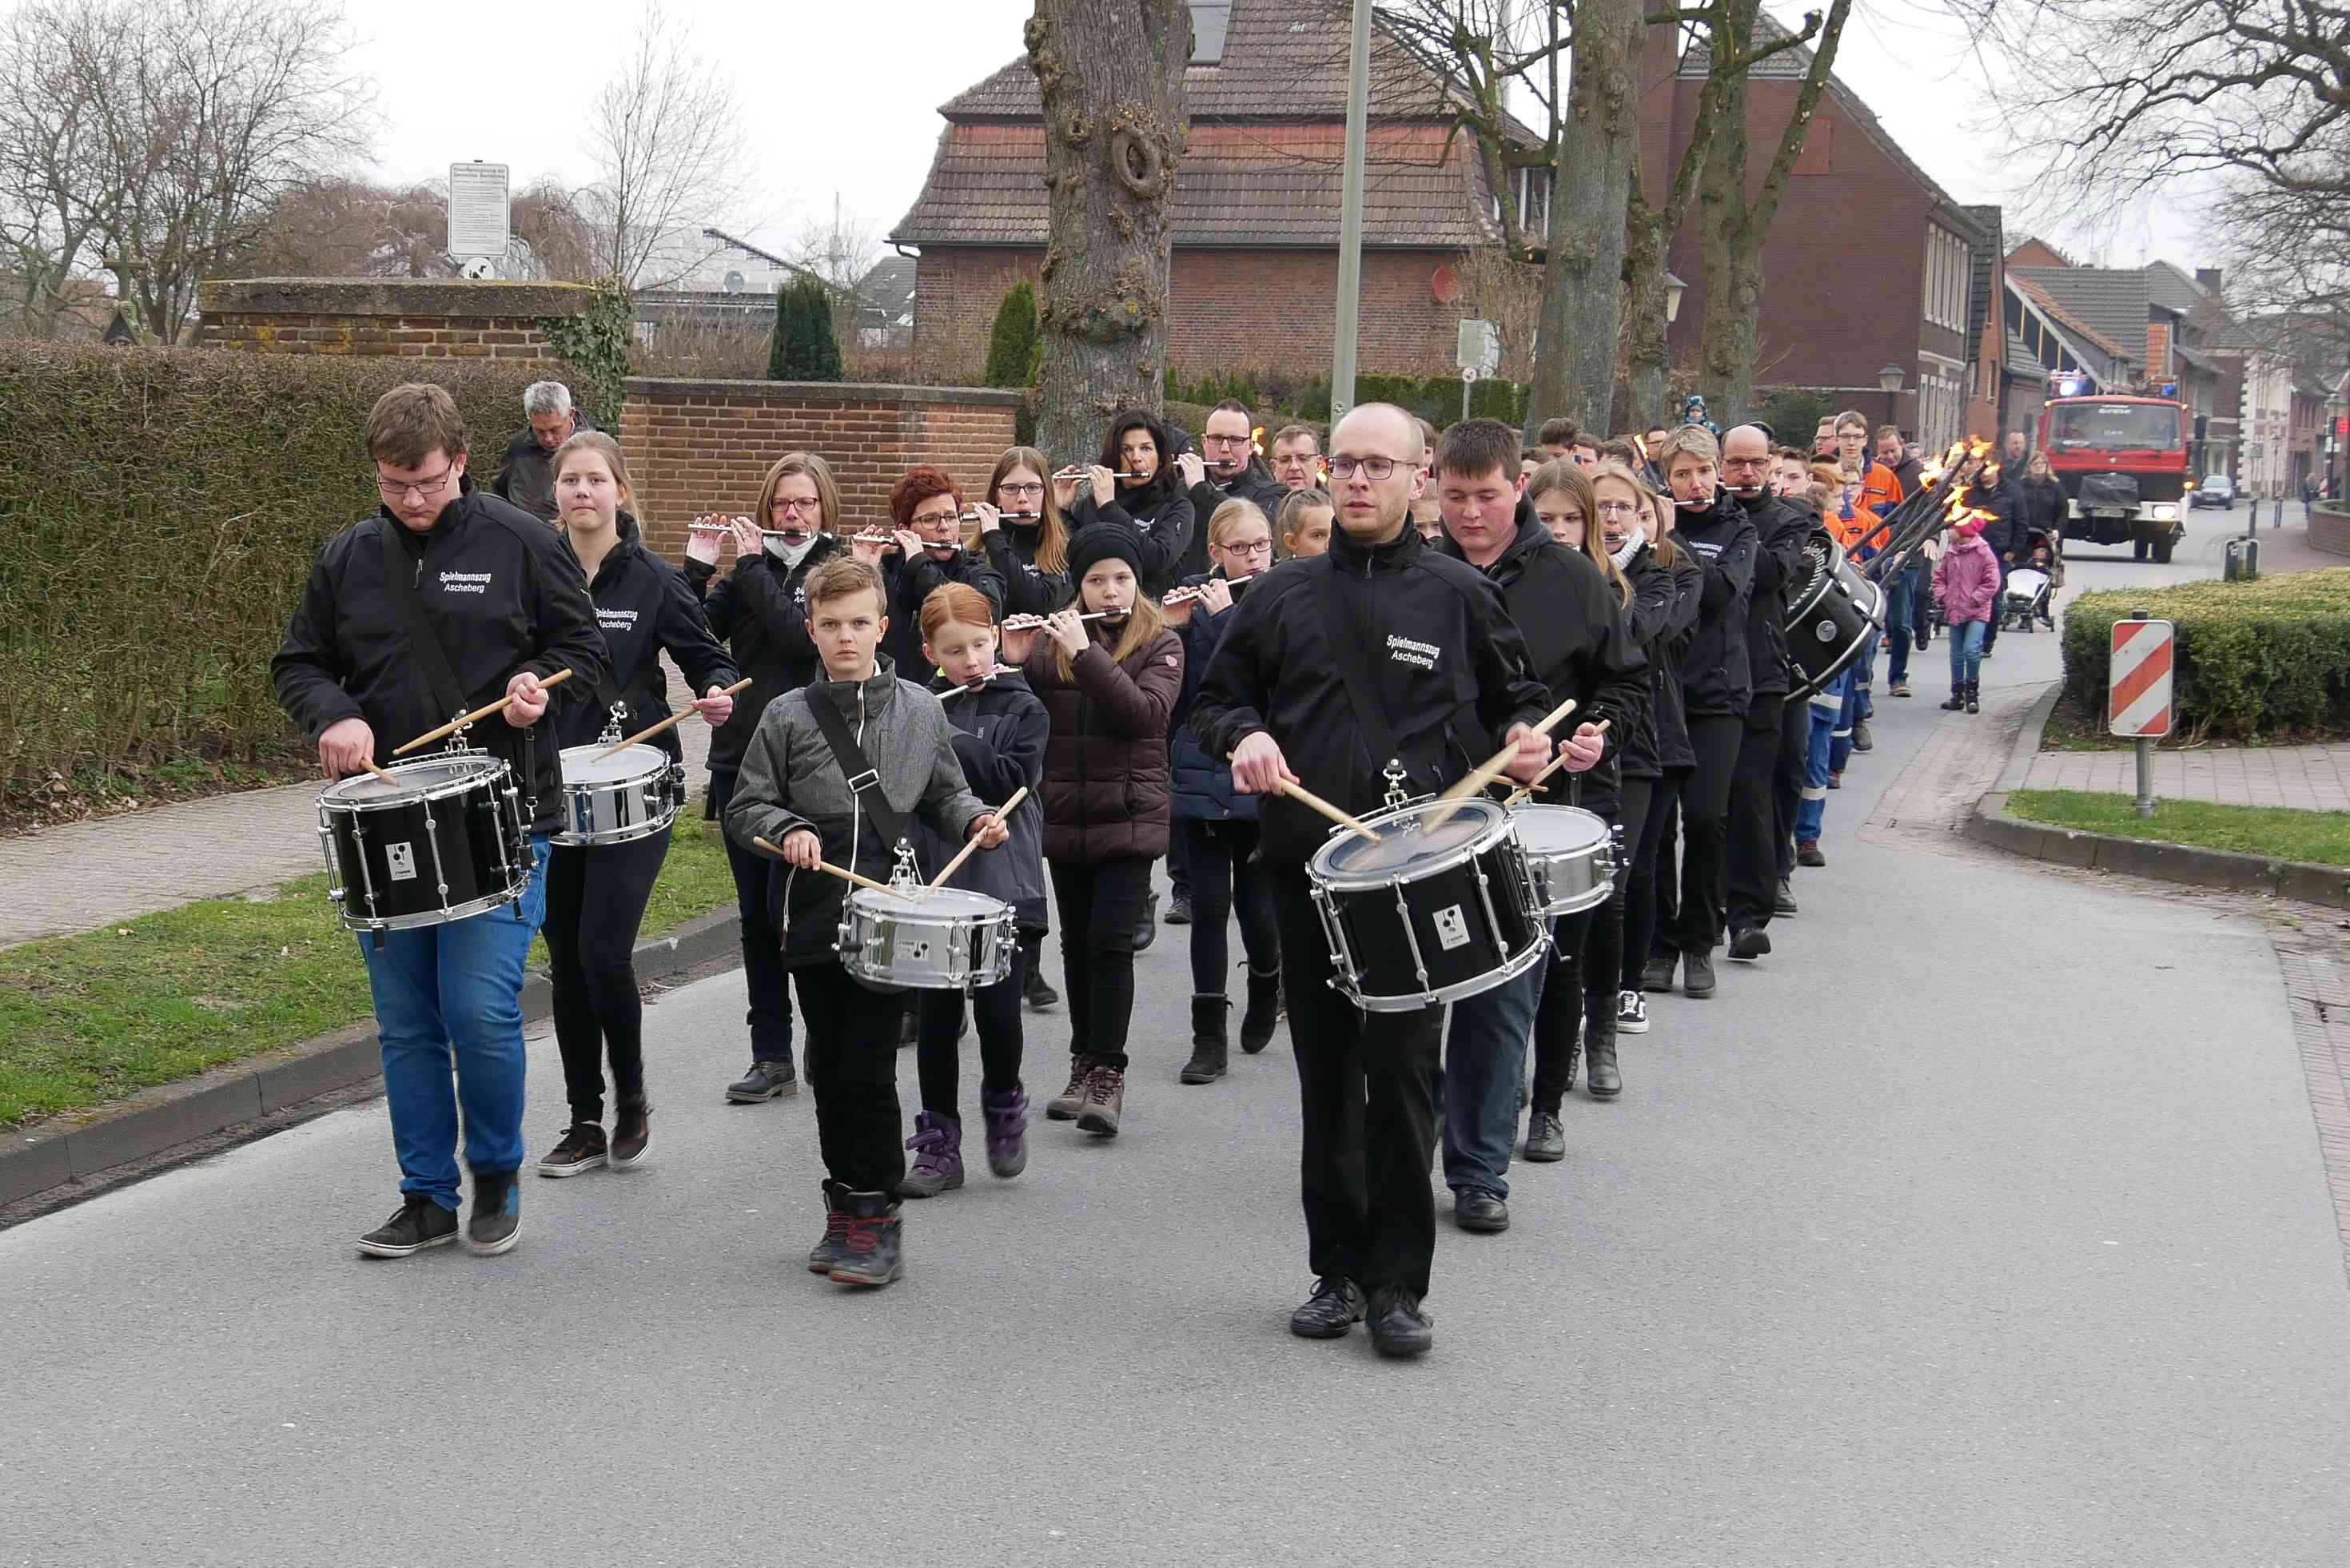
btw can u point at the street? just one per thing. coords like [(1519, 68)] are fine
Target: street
[(1983, 1222)]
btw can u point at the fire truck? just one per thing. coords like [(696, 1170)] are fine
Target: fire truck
[(2122, 461)]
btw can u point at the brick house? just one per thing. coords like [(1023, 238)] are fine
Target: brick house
[(2158, 316), (1256, 205)]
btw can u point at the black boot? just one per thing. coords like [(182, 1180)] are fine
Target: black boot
[(872, 1246), (1599, 1047), (1958, 698), (1263, 1011), (1975, 696), (1208, 1041)]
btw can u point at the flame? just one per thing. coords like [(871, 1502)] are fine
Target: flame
[(1957, 504), (1931, 475), (1257, 440), (1641, 447)]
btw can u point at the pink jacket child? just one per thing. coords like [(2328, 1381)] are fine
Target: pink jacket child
[(1967, 577)]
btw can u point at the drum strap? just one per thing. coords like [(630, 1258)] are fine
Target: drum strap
[(400, 571), (864, 780), (1354, 662)]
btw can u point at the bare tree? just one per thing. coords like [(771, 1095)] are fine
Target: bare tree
[(1110, 73), (336, 227), (1478, 52), (562, 241), (672, 158)]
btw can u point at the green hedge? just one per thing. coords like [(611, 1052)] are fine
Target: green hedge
[(2268, 660), (159, 509)]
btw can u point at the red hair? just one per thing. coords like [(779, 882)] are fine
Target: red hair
[(955, 601), (922, 482)]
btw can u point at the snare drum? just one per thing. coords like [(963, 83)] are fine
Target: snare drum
[(1427, 914), (632, 794), (448, 842), (950, 939), (1571, 854), (1833, 617)]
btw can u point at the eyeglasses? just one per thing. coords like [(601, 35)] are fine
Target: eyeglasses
[(1743, 464), (1262, 547), (932, 520), (1029, 489), (794, 504), (1374, 468), (1225, 440), (423, 489), (1620, 509)]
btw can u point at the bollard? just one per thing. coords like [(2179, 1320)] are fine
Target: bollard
[(2253, 555), (2231, 564)]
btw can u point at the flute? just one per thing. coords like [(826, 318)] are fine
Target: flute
[(1189, 591), (1005, 516), (724, 528), (1034, 622), (976, 685), (1081, 473)]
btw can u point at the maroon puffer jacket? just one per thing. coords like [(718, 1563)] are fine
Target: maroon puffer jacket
[(1106, 782)]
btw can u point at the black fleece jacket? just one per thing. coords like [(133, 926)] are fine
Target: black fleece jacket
[(910, 582), (643, 606), (1159, 515), (761, 609), (1716, 678)]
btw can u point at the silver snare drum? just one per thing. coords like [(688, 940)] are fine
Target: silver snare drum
[(1572, 853), (633, 794), (950, 940)]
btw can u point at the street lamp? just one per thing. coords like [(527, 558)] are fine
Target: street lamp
[(1673, 287), (1888, 380)]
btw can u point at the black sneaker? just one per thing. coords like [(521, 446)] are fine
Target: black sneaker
[(1747, 944), (1546, 1139), (1657, 975), (632, 1132), (872, 1253), (1335, 1306), (1178, 906), (581, 1147), (416, 1224), (1697, 974), (1399, 1326), (1039, 996), (1631, 1012), (1474, 1209), (764, 1081), (496, 1222)]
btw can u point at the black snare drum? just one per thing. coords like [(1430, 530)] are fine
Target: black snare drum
[(1427, 915), (1832, 617), (447, 842)]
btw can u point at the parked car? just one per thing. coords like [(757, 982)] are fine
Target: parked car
[(2218, 490)]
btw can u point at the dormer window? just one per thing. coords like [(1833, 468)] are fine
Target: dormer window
[(1211, 19)]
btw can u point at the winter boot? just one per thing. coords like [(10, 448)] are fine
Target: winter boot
[(1263, 1010), (1958, 698), (1105, 1100), (937, 1144), (1065, 1106), (872, 1243), (1007, 1130), (1600, 1076), (833, 1248), (1208, 1041), (1975, 696)]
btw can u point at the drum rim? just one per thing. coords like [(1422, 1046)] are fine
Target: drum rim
[(663, 760), (1547, 810), (491, 770), (858, 902), (1502, 826), (626, 835), (448, 917)]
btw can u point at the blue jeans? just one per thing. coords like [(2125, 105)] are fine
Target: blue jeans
[(453, 992), (1827, 711), (1966, 651), (1899, 589), (1477, 1087)]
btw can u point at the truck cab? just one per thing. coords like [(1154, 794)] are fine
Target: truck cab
[(2122, 461)]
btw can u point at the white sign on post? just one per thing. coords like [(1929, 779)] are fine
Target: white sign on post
[(1478, 347), (479, 215)]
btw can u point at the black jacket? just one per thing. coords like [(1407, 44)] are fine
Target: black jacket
[(501, 593), (1662, 618), (1715, 677), (1576, 639), (999, 737), (1431, 639), (761, 609), (1028, 590), (1252, 483), (910, 582), (643, 605), (1160, 516), (2044, 506), (1780, 531), (2000, 500), (526, 471)]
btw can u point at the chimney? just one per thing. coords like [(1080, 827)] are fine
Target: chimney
[(2209, 276)]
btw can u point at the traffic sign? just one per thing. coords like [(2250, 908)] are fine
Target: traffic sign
[(2138, 702)]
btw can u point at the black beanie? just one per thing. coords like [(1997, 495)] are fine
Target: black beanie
[(1098, 542)]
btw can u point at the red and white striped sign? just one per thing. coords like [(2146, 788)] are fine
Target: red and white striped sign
[(2138, 703)]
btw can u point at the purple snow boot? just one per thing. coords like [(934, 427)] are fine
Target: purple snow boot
[(1007, 1121), (937, 1144)]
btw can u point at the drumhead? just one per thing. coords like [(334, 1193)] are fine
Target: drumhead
[(944, 903), (1558, 829), (1407, 846), (588, 765), (428, 776)]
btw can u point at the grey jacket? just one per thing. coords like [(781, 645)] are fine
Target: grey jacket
[(790, 780)]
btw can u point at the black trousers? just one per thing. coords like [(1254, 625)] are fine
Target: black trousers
[(1705, 836), (937, 1052), (1754, 813), (596, 897), (1101, 904), (770, 1017), (852, 1066), (1648, 879), (1226, 875), (1787, 777), (1367, 1089)]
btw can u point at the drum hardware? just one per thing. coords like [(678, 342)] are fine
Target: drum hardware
[(1830, 620), (1395, 776), (944, 939), (1573, 855), (619, 713), (629, 792), (464, 807)]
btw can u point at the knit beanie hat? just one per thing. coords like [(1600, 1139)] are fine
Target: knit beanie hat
[(1099, 542), (1970, 528)]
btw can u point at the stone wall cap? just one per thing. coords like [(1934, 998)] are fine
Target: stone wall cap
[(819, 392), (390, 296)]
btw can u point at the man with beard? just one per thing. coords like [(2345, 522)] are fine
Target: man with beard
[(1230, 469), (1767, 783)]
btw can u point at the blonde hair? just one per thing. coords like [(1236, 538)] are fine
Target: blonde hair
[(1693, 441), (1294, 506), (827, 491), (1661, 548), (1564, 473), (1051, 534), (1231, 515), (603, 446)]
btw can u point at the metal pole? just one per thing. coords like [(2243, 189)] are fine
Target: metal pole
[(2144, 776), (1350, 222)]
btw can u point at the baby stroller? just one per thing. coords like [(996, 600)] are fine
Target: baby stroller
[(2030, 587)]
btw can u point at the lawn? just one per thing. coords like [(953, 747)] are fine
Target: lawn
[(2274, 831), (88, 1019)]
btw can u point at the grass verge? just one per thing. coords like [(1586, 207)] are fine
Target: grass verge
[(88, 1019), (2281, 832)]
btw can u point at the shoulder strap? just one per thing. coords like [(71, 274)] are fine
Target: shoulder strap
[(1352, 660), (400, 571), (864, 781)]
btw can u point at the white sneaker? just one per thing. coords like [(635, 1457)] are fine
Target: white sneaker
[(1631, 1012)]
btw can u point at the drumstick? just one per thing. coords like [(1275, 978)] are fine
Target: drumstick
[(1556, 763), (380, 773), (652, 730), (999, 814), (1306, 797), (557, 679), (1490, 768), (827, 866)]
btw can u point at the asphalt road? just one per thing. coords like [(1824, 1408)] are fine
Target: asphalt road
[(1982, 1224)]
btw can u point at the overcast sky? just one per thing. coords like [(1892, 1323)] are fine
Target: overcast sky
[(842, 98)]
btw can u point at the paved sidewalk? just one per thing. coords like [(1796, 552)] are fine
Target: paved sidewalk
[(2312, 778), (80, 876)]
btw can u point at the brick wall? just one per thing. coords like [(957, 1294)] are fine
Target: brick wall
[(397, 318), (2330, 530), (703, 446)]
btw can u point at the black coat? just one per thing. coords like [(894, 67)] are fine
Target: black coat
[(1027, 589), (1780, 531), (1716, 678), (1000, 734), (2043, 505), (1160, 516), (910, 582), (1431, 637), (526, 470), (500, 593), (2000, 500), (1252, 483), (1662, 618), (761, 609), (643, 606)]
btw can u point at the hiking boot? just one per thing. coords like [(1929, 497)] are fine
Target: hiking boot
[(1145, 929), (833, 1248), (1263, 1011), (1335, 1306), (1105, 1099), (1697, 974), (416, 1224), (1546, 1139), (1782, 900), (764, 1081), (1399, 1326), (1862, 741), (1747, 944), (581, 1147), (937, 1144), (1600, 1078), (1065, 1106), (1807, 853), (1657, 975), (1898, 689), (871, 1251), (1209, 1053), (1178, 906), (1007, 1130), (1631, 1012), (631, 1131), (1039, 996), (1957, 699), (496, 1222)]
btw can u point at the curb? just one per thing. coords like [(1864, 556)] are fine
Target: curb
[(1990, 822), (272, 1087)]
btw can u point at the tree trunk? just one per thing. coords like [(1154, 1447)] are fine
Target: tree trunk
[(1583, 277), (1647, 394), (1111, 77)]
